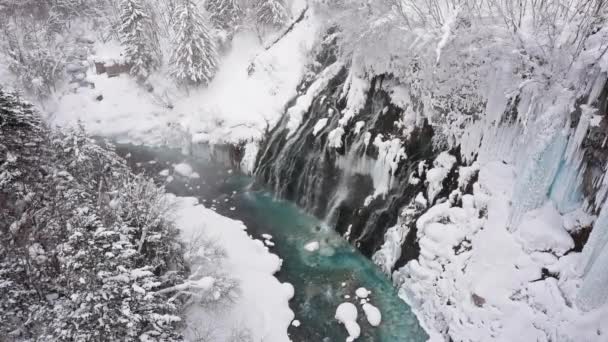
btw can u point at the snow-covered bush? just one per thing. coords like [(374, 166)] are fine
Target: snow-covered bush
[(89, 250)]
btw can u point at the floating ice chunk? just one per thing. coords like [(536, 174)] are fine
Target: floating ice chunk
[(185, 170), (346, 313), (312, 246), (362, 292), (269, 243), (164, 173), (295, 323), (267, 236), (319, 126), (374, 317)]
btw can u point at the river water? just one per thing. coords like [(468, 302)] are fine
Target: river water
[(322, 279)]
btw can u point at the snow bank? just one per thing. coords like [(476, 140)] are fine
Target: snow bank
[(263, 304), (346, 313)]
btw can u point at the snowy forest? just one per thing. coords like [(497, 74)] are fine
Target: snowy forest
[(303, 170)]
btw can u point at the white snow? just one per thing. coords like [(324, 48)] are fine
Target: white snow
[(248, 161), (334, 139), (542, 230), (346, 313), (164, 173), (295, 323), (263, 304), (185, 170), (374, 317), (319, 126), (312, 246), (304, 102), (435, 176)]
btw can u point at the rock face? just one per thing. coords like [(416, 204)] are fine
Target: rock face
[(360, 183)]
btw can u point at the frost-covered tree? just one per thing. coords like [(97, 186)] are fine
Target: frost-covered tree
[(88, 252), (194, 58), (225, 14), (271, 13), (139, 37)]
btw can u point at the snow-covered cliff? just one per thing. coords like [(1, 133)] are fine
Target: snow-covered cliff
[(469, 162)]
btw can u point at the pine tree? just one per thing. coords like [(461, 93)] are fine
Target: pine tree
[(194, 58), (271, 13), (225, 14), (139, 38)]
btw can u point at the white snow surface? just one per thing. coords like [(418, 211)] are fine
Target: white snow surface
[(319, 126), (263, 305)]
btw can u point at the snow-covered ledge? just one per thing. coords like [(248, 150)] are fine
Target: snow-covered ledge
[(261, 309)]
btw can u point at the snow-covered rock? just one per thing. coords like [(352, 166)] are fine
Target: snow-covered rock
[(185, 170), (374, 317), (346, 313)]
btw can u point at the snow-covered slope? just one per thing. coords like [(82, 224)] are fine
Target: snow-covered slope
[(246, 97)]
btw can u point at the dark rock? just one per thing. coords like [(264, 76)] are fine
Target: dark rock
[(99, 97), (478, 300)]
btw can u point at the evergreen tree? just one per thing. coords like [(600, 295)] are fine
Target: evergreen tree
[(271, 13), (194, 58), (225, 14), (139, 38)]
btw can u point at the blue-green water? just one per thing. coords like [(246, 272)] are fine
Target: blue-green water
[(321, 279)]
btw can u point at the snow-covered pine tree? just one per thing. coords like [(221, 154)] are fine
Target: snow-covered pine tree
[(194, 58), (225, 14), (271, 13), (139, 38), (87, 253)]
